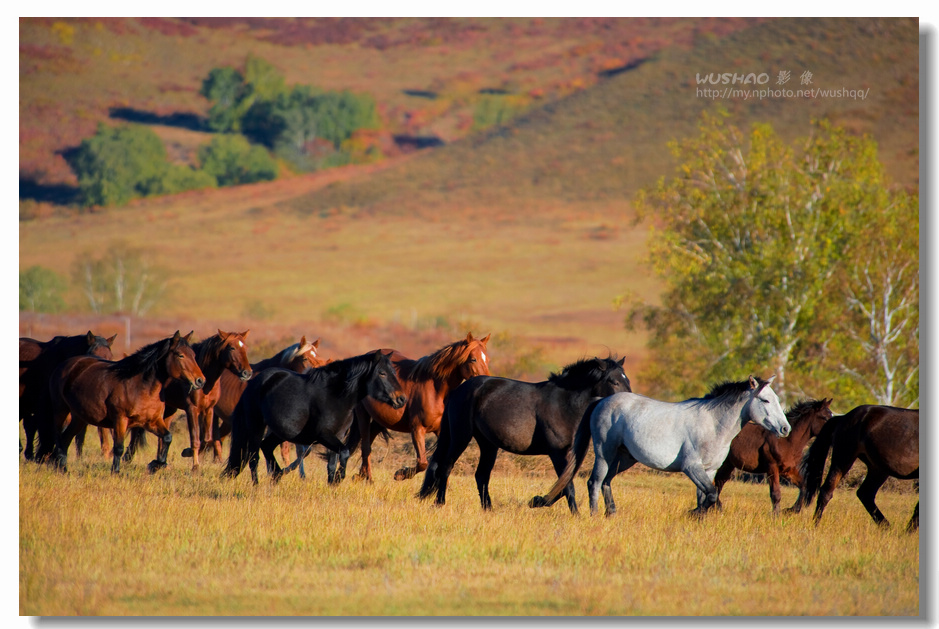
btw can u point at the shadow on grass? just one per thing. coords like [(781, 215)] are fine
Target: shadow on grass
[(181, 120)]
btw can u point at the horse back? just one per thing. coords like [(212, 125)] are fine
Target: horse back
[(888, 437)]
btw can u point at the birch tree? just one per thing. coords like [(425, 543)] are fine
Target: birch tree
[(748, 238)]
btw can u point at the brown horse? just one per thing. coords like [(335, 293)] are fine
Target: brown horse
[(119, 395), (299, 357), (758, 451), (38, 360), (885, 438), (221, 353), (426, 382)]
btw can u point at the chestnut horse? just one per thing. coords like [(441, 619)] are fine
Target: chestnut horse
[(38, 360), (885, 438), (299, 357), (122, 394), (758, 451), (427, 382)]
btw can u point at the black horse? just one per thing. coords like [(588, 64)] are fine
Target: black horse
[(315, 407), (521, 417), (886, 438), (38, 359)]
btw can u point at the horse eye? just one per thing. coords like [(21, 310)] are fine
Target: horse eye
[(472, 360)]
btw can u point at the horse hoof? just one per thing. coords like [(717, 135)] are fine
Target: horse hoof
[(186, 453), (404, 473), (536, 502), (155, 466)]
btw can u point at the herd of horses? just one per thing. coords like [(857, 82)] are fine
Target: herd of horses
[(295, 397)]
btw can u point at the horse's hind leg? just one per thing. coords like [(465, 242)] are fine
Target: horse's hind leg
[(487, 459), (775, 492), (840, 465), (867, 492)]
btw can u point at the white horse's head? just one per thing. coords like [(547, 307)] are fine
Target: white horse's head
[(764, 408)]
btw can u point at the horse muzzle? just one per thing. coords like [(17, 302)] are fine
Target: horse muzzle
[(399, 401), (245, 375), (196, 384)]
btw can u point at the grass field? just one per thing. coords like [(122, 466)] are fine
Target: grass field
[(178, 544)]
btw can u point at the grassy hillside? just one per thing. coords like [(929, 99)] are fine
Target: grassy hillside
[(525, 229)]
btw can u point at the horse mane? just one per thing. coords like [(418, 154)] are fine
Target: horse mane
[(344, 375), (436, 366), (583, 374), (208, 347), (802, 409), (728, 393), (145, 361)]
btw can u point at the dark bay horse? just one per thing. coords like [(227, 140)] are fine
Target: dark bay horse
[(758, 451), (885, 438), (521, 417), (315, 407), (122, 394), (38, 359), (299, 357), (426, 382), (221, 353)]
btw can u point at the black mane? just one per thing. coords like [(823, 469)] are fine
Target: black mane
[(802, 409), (583, 374), (344, 375), (146, 361), (207, 348), (729, 392)]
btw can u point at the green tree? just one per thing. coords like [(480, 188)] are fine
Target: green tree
[(41, 290), (230, 95), (232, 160), (124, 279), (753, 233), (118, 164)]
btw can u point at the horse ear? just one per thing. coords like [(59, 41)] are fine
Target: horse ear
[(222, 334), (469, 337), (621, 361), (303, 340), (91, 338), (110, 341), (770, 380), (316, 343), (244, 334), (485, 340), (188, 337), (176, 337), (753, 383)]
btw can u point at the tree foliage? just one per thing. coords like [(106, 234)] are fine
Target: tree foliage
[(119, 164), (304, 125), (755, 241), (232, 160), (41, 290)]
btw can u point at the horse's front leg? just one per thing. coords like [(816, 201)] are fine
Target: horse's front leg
[(117, 450), (196, 430), (775, 493), (162, 430), (706, 491)]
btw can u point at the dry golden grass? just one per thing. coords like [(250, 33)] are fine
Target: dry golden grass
[(183, 544)]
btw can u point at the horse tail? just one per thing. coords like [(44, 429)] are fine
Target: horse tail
[(574, 459), (429, 486), (238, 451), (813, 463)]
